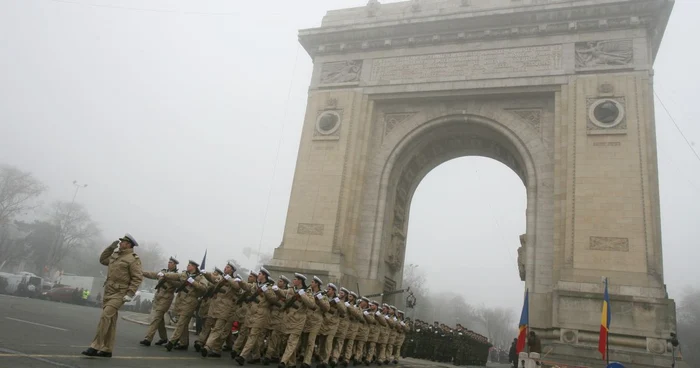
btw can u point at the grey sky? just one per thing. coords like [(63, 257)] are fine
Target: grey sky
[(173, 115)]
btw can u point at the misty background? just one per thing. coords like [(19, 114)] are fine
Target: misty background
[(184, 119)]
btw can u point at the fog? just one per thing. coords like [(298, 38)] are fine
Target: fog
[(184, 119)]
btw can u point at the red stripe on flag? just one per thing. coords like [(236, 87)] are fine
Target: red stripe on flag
[(602, 342), (522, 339)]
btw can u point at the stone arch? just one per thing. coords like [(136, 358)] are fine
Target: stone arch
[(412, 151)]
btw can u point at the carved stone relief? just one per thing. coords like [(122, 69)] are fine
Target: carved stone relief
[(310, 229), (606, 113), (603, 53), (341, 72), (521, 257), (530, 116), (392, 120), (328, 124), (394, 252), (609, 243)]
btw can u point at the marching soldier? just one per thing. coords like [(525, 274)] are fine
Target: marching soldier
[(205, 302), (355, 320), (193, 285), (384, 335), (313, 321), (329, 326), (363, 333), (263, 294), (298, 302), (402, 329), (343, 327), (276, 325), (376, 331), (244, 299), (124, 275), (165, 293), (222, 310)]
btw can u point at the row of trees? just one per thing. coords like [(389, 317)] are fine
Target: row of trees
[(44, 239), (498, 324)]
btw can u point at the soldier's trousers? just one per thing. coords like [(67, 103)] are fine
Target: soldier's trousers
[(310, 343), (274, 344), (360, 349), (106, 329), (157, 323), (252, 346), (290, 351), (371, 350), (182, 331), (243, 333), (325, 347), (206, 331), (218, 334), (398, 343), (347, 351), (338, 344)]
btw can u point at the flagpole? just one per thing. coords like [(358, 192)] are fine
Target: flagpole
[(527, 328), (607, 340)]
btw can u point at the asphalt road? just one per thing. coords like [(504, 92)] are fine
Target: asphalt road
[(43, 334)]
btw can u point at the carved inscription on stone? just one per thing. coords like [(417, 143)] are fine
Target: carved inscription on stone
[(603, 53), (341, 72), (608, 243), (394, 119), (470, 64), (310, 229)]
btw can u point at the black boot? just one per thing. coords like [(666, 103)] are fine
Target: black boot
[(233, 354), (198, 347), (145, 342), (240, 360), (204, 351), (265, 361), (161, 342), (104, 354), (169, 346), (90, 352)]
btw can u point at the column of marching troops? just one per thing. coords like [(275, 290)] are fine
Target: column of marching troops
[(282, 320), (279, 321)]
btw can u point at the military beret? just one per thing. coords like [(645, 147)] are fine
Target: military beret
[(331, 285), (284, 278), (128, 237), (265, 271), (173, 260), (300, 276), (193, 263), (317, 279)]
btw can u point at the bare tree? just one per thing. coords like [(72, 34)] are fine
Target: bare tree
[(75, 230), (17, 189), (152, 256), (498, 324)]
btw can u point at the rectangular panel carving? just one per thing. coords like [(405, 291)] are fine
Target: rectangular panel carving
[(604, 53), (470, 64), (609, 243), (341, 72), (310, 229)]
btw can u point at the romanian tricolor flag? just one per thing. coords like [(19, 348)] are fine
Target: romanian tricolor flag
[(524, 321), (604, 323)]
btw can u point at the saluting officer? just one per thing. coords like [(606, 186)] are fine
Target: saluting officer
[(124, 275)]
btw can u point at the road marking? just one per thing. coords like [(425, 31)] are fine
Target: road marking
[(63, 356), (19, 354), (36, 324)]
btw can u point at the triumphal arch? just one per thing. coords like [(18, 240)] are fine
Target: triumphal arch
[(559, 91)]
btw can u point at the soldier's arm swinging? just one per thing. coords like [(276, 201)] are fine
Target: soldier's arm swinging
[(199, 286), (150, 275)]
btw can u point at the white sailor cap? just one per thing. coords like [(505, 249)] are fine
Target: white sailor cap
[(218, 270), (317, 279), (193, 263), (331, 285), (173, 260), (253, 273), (232, 265), (364, 298), (128, 237), (384, 305), (346, 291), (374, 302), (265, 271), (300, 276), (400, 312), (284, 278), (354, 294)]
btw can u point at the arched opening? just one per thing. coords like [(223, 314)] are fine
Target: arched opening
[(466, 217)]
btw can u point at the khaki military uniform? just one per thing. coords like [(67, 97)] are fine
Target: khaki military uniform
[(188, 295), (355, 320), (221, 312), (375, 333), (205, 303), (265, 298), (276, 328), (124, 275), (251, 308), (402, 329), (314, 320), (165, 293), (298, 303), (385, 338), (329, 328), (363, 333)]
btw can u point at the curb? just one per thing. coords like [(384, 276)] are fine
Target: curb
[(142, 323)]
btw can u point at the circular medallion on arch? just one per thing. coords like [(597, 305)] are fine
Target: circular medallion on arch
[(328, 122), (606, 113)]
